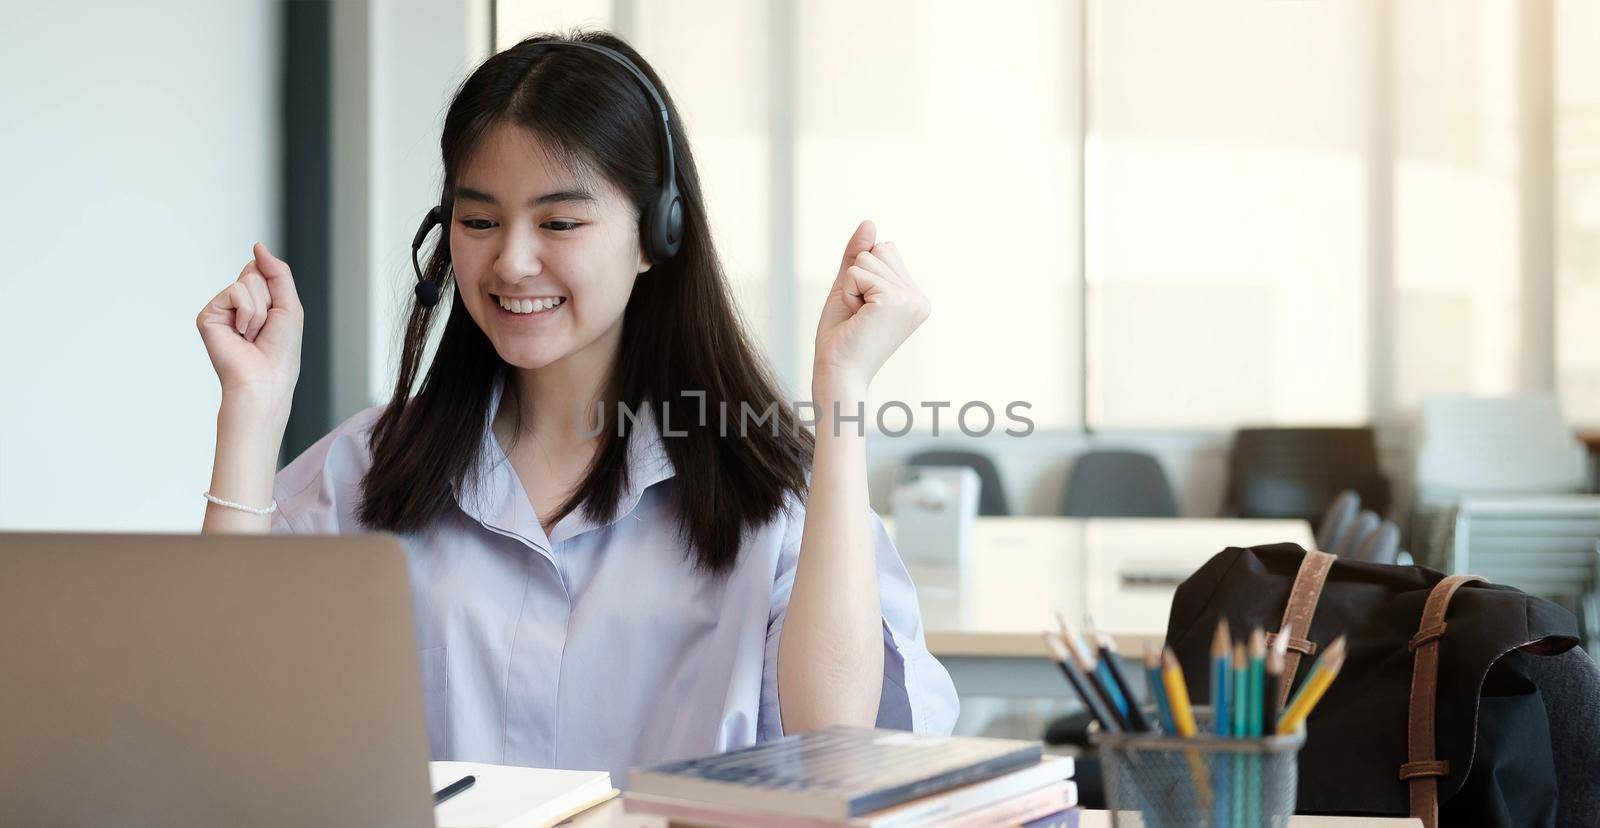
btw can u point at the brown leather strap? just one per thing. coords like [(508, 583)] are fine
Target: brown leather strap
[(1423, 770), (1298, 645), (1297, 615)]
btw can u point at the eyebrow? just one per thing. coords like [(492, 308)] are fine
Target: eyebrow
[(471, 194)]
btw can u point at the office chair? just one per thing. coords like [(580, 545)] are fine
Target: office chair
[(1353, 534), (1295, 472), (1118, 484), (1381, 545), (1341, 511)]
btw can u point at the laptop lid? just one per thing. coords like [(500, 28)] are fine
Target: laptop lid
[(153, 679)]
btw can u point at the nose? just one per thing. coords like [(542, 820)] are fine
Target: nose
[(519, 256)]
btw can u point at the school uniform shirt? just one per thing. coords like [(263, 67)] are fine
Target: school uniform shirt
[(599, 647)]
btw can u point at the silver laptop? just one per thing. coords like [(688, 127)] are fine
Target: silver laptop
[(235, 680)]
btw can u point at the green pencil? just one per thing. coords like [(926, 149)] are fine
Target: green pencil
[(1240, 708), (1258, 660)]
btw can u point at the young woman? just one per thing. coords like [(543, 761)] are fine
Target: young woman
[(666, 587)]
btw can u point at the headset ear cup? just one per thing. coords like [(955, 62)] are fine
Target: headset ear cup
[(675, 223), (664, 225)]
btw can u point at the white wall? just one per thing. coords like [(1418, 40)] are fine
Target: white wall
[(141, 156)]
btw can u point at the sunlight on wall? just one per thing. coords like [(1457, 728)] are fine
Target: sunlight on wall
[(964, 151), (1578, 207), (1458, 278), (1227, 214)]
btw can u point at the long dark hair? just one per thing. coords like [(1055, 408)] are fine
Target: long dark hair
[(680, 331)]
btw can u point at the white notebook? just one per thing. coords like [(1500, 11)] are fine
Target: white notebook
[(505, 796)]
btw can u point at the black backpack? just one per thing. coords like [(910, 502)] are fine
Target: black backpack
[(1434, 715)]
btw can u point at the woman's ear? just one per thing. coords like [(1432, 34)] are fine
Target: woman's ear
[(644, 263)]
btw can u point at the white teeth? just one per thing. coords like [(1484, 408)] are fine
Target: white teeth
[(531, 305)]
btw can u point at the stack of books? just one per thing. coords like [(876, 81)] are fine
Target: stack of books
[(861, 777)]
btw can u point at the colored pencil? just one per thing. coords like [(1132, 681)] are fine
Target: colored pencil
[(1123, 702), (1111, 662), (1221, 679), (1239, 704), (1158, 690), (1272, 688), (1239, 710), (1257, 651), (1258, 658), (1080, 684), (1091, 670), (1177, 694), (1322, 675)]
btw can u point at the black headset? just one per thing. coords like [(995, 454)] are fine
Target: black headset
[(661, 225)]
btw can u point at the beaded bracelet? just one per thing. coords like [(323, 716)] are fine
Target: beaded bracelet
[(240, 506)]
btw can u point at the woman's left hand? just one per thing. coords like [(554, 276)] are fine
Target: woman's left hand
[(872, 308)]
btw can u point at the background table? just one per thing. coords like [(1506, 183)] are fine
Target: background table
[(983, 620)]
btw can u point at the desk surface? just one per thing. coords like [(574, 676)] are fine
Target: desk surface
[(1120, 571), (611, 815)]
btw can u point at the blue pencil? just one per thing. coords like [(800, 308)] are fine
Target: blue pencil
[(1103, 672), (1158, 690), (1107, 677), (1221, 680), (1098, 677)]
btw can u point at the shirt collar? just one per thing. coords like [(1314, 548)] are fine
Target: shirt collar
[(494, 496)]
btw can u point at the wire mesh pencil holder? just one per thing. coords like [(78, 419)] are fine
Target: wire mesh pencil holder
[(1162, 781)]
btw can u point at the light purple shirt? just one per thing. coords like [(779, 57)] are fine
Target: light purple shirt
[(599, 647)]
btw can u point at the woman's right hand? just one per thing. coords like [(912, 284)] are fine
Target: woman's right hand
[(252, 332)]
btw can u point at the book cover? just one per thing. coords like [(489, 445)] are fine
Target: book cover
[(836, 773)]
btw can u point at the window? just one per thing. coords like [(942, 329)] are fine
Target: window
[(1279, 213), (954, 126), (1226, 214), (1458, 278), (962, 150), (1577, 125)]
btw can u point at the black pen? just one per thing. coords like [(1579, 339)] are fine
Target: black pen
[(454, 788)]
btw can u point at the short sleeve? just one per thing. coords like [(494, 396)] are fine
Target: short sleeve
[(917, 692), (317, 492), (280, 523)]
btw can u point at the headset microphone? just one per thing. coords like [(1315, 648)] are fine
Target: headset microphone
[(661, 222)]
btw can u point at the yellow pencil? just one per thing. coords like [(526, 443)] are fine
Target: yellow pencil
[(1336, 648), (1322, 675), (1183, 720), (1177, 694)]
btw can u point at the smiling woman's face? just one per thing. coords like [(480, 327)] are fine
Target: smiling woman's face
[(529, 234)]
